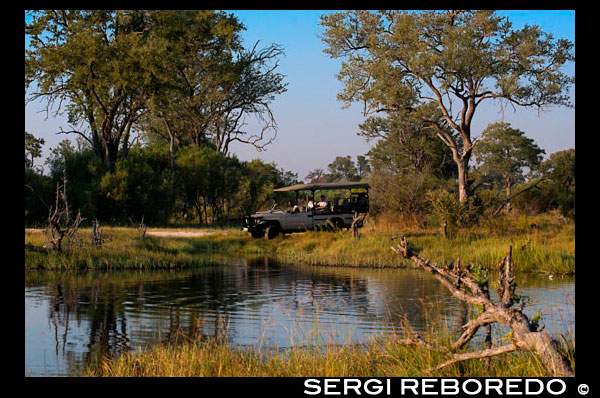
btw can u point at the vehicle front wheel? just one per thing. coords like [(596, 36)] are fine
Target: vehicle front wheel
[(271, 231), (257, 234)]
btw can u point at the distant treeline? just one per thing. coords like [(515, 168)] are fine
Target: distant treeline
[(409, 173), (203, 186), (412, 176)]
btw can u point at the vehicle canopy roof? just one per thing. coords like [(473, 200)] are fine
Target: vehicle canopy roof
[(323, 186)]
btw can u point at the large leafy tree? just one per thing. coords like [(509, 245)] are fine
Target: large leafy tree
[(508, 152), (101, 65), (111, 68), (214, 84), (395, 61)]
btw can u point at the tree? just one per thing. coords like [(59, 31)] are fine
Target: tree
[(102, 63), (258, 181), (559, 169), (213, 83), (83, 171), (33, 149), (316, 175), (408, 161), (406, 146), (139, 187), (363, 166), (506, 151), (209, 181), (114, 67), (342, 169), (454, 60)]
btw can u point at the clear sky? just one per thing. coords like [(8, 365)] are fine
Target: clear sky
[(313, 128)]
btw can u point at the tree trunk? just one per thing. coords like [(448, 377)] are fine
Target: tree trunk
[(463, 186), (508, 194)]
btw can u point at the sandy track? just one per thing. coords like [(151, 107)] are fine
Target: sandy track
[(186, 234), (182, 234)]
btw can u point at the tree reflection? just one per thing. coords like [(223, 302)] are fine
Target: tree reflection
[(117, 312)]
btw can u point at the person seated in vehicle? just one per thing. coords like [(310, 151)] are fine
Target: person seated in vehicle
[(322, 206), (291, 208), (310, 205)]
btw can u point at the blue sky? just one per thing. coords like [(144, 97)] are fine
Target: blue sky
[(313, 128)]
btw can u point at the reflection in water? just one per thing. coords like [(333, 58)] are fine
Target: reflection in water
[(74, 319)]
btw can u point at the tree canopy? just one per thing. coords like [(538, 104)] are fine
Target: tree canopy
[(115, 69), (395, 61), (506, 151)]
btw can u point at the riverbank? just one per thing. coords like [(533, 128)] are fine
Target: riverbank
[(380, 357), (541, 244)]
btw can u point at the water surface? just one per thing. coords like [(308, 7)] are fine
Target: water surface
[(74, 318)]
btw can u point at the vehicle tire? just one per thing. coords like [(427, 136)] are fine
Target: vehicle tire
[(257, 234), (272, 231)]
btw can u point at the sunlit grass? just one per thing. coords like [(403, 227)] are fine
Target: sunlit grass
[(380, 356), (540, 244)]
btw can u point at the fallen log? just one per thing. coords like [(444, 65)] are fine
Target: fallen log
[(525, 334)]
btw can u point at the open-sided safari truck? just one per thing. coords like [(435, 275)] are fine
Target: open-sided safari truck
[(345, 200)]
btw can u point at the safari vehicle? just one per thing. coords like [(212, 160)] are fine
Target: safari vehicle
[(301, 217)]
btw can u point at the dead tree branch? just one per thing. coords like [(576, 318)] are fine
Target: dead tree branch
[(356, 221), (141, 227), (511, 197), (488, 353), (60, 224), (97, 238), (525, 334)]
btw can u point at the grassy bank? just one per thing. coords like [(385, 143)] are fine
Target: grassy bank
[(380, 357), (541, 244)]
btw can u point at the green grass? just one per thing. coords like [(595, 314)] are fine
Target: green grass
[(379, 357), (540, 244)]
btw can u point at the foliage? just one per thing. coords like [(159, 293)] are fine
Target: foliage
[(33, 148), (83, 171), (395, 61), (39, 195), (342, 169), (141, 186), (506, 151), (213, 82), (103, 64), (560, 171), (185, 71), (447, 209), (209, 181), (407, 162), (258, 181), (406, 146), (401, 193)]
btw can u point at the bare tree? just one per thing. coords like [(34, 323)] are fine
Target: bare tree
[(60, 223), (526, 335), (141, 227)]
